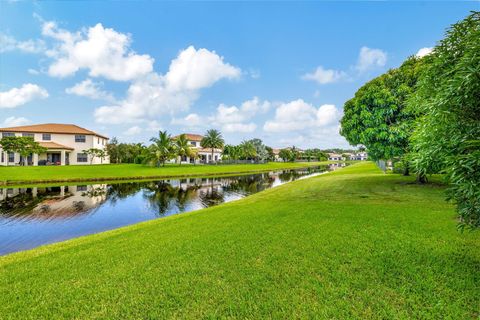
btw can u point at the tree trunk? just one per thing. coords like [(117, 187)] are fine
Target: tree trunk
[(406, 170), (212, 154), (421, 178)]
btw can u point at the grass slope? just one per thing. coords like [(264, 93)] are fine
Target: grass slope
[(16, 175), (350, 244)]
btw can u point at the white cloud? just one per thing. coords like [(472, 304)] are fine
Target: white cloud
[(239, 127), (424, 52), (233, 118), (88, 88), (8, 43), (19, 96), (133, 131), (299, 115), (15, 122), (156, 94), (324, 76), (196, 69), (191, 120), (33, 71), (370, 58), (104, 52)]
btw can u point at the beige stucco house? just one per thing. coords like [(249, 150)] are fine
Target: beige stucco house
[(65, 144), (204, 154)]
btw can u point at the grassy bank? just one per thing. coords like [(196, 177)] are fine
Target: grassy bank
[(43, 174), (350, 244)]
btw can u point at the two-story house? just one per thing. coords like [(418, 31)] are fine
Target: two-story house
[(65, 144), (204, 155)]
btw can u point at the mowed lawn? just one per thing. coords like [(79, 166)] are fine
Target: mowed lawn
[(10, 175), (355, 243)]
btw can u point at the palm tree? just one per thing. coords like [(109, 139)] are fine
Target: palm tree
[(182, 146), (162, 148), (213, 139), (248, 150)]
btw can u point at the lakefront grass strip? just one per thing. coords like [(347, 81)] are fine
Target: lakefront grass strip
[(45, 174), (354, 243)]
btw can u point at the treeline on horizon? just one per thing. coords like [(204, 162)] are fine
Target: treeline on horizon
[(253, 149), (425, 117)]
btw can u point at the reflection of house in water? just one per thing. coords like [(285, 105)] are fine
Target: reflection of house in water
[(51, 202), (337, 165)]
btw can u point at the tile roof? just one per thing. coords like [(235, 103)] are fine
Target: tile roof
[(54, 145), (52, 128), (191, 137)]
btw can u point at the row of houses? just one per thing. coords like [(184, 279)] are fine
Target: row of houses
[(66, 145)]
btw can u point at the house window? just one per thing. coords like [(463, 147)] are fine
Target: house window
[(27, 134), (82, 157), (11, 157), (3, 157), (80, 138), (193, 143), (82, 188), (8, 134), (98, 140), (46, 137)]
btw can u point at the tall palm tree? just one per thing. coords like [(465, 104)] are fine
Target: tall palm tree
[(182, 146), (213, 139), (162, 148)]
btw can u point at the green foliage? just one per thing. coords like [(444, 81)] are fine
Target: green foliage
[(213, 139), (25, 146), (285, 154), (182, 146), (378, 117), (448, 96), (161, 150), (126, 152)]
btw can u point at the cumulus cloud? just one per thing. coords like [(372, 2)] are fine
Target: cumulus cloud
[(15, 122), (196, 69), (324, 76), (18, 96), (190, 120), (234, 119), (299, 115), (104, 52), (88, 88), (424, 52), (370, 58), (155, 94), (9, 43)]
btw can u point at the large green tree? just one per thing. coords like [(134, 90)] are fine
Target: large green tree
[(446, 137), (182, 146), (379, 117)]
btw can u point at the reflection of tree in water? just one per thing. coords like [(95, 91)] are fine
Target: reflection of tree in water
[(95, 192), (79, 206), (186, 195), (120, 191), (249, 184), (212, 196), (24, 202), (159, 195)]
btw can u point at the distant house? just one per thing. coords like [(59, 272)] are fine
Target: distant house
[(204, 154), (359, 156), (65, 144), (335, 157), (276, 153)]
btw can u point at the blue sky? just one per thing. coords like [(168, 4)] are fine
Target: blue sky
[(279, 71)]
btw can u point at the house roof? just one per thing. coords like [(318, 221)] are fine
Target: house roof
[(53, 145), (191, 137), (52, 128)]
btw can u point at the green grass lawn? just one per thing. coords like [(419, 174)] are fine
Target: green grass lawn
[(15, 175), (355, 243)]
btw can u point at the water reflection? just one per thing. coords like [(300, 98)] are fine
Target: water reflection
[(33, 216)]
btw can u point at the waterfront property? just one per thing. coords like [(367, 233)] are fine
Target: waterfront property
[(204, 155), (65, 144)]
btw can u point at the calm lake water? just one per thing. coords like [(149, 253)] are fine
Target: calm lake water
[(30, 217)]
